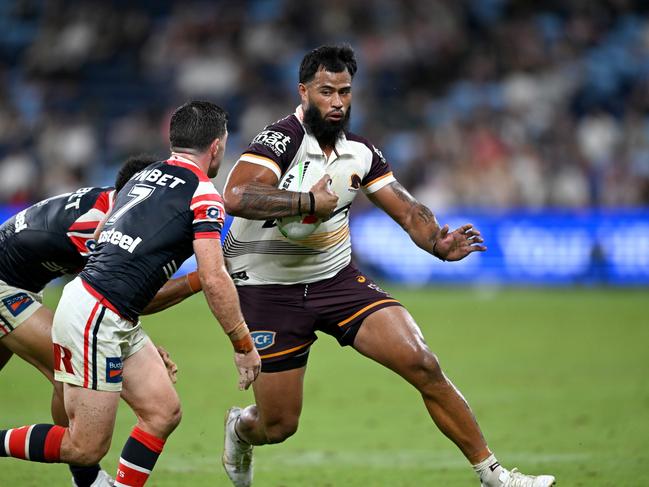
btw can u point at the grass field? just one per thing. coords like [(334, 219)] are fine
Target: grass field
[(557, 378)]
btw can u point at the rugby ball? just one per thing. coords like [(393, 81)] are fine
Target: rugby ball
[(301, 177)]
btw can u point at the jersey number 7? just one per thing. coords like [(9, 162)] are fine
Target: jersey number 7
[(139, 193)]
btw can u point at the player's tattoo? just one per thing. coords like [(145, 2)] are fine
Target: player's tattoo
[(263, 202), (402, 194), (425, 214)]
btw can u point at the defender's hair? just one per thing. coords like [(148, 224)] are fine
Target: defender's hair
[(196, 124), (332, 58), (132, 166)]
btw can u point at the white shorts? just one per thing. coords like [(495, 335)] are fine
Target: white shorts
[(16, 305), (91, 341)]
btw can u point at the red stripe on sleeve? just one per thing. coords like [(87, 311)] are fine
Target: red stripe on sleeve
[(200, 235), (153, 443), (206, 197)]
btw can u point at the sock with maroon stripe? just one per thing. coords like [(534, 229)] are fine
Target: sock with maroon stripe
[(36, 443), (138, 458)]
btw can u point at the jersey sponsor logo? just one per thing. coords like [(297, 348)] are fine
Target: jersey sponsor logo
[(263, 339), (241, 276), (380, 154), (21, 224), (122, 240), (158, 177), (114, 368), (91, 244), (17, 303), (275, 141), (74, 200)]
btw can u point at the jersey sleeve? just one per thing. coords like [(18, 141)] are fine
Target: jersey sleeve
[(83, 228), (379, 175), (276, 145), (208, 211)]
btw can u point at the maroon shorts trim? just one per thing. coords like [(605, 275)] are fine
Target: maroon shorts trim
[(283, 319)]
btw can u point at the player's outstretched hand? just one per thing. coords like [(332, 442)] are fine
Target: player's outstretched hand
[(459, 243), (248, 365), (325, 199), (172, 368)]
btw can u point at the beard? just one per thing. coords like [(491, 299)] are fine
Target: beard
[(326, 132)]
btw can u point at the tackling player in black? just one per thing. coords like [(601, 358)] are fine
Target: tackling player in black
[(45, 241), (160, 216)]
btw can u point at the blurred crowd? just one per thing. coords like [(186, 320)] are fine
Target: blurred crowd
[(476, 103)]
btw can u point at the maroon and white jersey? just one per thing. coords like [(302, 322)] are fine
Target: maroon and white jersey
[(256, 251), (52, 237), (150, 232)]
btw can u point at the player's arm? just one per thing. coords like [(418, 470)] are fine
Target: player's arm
[(173, 292), (223, 301), (251, 192), (422, 226)]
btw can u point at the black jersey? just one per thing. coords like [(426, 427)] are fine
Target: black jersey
[(51, 238), (149, 234)]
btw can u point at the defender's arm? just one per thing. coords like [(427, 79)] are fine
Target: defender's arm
[(422, 226)]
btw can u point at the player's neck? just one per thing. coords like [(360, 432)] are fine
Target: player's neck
[(201, 160)]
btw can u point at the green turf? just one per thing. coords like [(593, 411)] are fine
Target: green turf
[(557, 379)]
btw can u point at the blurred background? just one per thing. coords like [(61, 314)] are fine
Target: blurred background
[(529, 119)]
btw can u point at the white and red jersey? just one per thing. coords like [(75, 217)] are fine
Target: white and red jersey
[(157, 215), (52, 237), (256, 251)]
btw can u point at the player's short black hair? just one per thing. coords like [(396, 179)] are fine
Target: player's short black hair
[(132, 166), (196, 124), (333, 58)]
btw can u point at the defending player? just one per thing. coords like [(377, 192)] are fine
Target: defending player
[(290, 289), (43, 242), (161, 216)]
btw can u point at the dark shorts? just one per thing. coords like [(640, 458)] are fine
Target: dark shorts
[(283, 319)]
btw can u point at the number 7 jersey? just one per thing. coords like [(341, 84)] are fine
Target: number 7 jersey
[(150, 233)]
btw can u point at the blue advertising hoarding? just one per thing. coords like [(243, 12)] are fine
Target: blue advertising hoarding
[(524, 247), (561, 247)]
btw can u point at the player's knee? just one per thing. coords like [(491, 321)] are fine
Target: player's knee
[(424, 369), (163, 419), (281, 430), (88, 454)]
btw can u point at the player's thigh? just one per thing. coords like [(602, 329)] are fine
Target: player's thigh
[(391, 337), (32, 340), (147, 389), (92, 419), (278, 395)]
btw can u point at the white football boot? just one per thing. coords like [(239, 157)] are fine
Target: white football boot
[(514, 478), (102, 480), (237, 455)]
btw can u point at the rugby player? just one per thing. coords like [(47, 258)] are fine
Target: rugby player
[(43, 242), (162, 215), (289, 289)]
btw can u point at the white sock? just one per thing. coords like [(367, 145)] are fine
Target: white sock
[(489, 471)]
